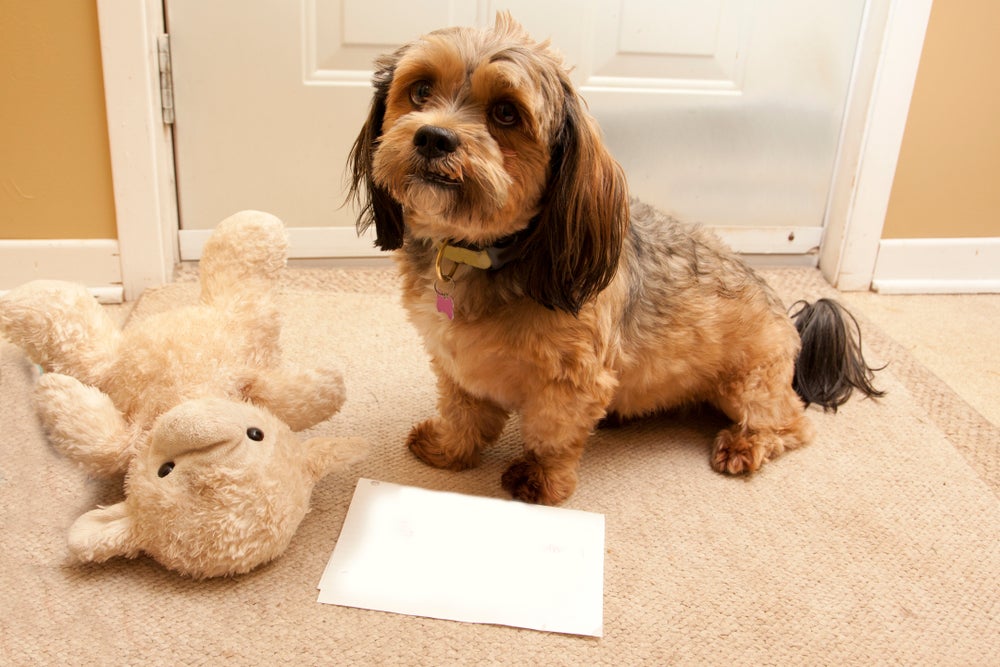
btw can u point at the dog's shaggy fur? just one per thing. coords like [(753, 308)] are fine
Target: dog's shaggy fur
[(591, 305)]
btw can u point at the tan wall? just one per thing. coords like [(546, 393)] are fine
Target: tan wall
[(55, 167), (948, 179)]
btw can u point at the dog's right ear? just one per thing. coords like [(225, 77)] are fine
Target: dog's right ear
[(377, 205)]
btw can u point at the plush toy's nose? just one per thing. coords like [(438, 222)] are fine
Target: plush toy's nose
[(198, 425)]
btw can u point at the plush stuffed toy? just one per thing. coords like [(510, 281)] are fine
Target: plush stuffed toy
[(194, 405)]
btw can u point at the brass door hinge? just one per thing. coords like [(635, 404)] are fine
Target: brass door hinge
[(166, 79)]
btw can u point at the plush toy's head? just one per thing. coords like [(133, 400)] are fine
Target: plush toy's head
[(221, 489)]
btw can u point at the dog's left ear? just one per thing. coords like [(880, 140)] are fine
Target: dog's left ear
[(377, 205), (574, 248)]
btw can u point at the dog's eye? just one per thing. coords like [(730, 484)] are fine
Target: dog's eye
[(255, 434), (419, 92), (505, 114), (165, 469)]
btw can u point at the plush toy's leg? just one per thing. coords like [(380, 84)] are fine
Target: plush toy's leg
[(244, 255), (83, 424), (300, 398), (61, 327)]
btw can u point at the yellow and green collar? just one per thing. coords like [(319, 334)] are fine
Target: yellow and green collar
[(489, 258), (479, 259)]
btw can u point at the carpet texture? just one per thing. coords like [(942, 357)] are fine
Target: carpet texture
[(877, 544)]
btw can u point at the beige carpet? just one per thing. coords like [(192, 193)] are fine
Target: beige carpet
[(879, 543), (953, 335)]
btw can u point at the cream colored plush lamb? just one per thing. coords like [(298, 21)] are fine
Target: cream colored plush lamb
[(193, 404)]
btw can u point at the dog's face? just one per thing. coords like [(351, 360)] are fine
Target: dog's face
[(475, 135), (465, 135)]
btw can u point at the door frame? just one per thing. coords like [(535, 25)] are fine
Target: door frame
[(142, 158), (141, 146)]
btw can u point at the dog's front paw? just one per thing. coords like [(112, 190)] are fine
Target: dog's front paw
[(427, 445), (527, 480), (736, 454)]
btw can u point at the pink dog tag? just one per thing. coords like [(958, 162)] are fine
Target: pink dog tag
[(446, 305)]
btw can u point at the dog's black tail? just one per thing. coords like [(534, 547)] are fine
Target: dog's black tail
[(830, 366)]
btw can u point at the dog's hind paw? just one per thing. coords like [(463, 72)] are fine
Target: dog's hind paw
[(736, 454)]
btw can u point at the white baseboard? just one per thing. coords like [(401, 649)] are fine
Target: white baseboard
[(92, 262), (937, 266), (343, 242), (303, 243)]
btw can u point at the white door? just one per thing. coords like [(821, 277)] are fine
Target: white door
[(726, 112)]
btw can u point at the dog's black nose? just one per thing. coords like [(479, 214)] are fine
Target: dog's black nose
[(432, 141)]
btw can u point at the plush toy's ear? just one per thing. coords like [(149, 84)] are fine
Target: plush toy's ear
[(327, 455), (102, 534), (573, 250), (377, 205)]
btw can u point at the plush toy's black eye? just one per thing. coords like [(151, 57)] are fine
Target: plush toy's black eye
[(255, 434), (165, 469)]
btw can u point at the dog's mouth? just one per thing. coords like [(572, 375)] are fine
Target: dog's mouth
[(439, 178)]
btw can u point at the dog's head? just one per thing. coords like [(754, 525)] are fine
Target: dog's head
[(478, 136)]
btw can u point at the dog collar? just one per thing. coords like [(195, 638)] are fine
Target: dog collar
[(479, 259), (489, 258)]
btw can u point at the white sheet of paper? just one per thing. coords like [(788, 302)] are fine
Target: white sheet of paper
[(467, 558)]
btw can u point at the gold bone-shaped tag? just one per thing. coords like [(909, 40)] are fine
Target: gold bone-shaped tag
[(477, 258)]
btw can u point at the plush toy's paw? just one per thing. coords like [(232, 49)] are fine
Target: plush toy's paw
[(83, 424), (61, 327), (244, 254), (300, 398), (329, 455)]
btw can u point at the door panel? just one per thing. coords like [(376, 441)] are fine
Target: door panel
[(723, 111)]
